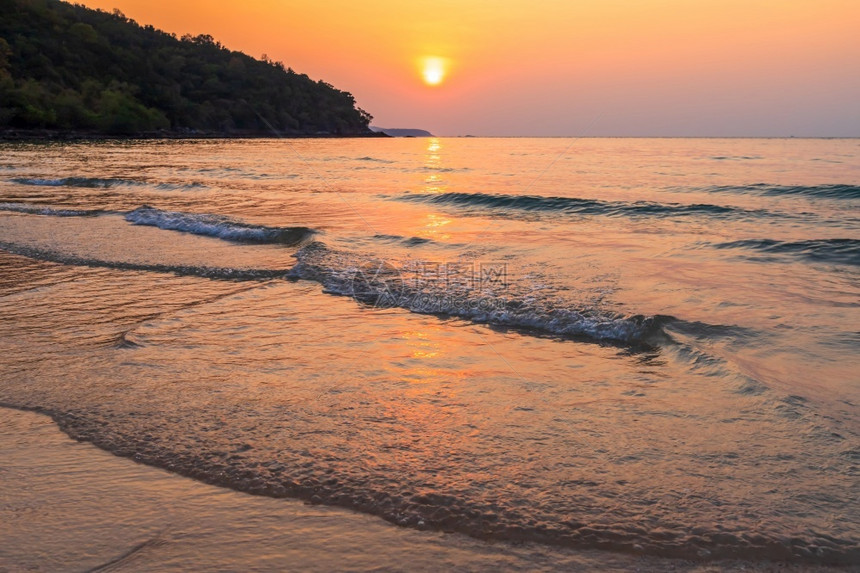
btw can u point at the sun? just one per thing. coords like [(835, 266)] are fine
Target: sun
[(433, 70)]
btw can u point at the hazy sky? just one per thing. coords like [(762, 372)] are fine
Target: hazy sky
[(558, 67)]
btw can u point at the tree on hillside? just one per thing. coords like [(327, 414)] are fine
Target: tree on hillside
[(64, 66)]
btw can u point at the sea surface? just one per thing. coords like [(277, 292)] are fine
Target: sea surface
[(643, 346)]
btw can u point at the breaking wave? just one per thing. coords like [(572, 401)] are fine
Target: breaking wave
[(218, 226), (381, 283)]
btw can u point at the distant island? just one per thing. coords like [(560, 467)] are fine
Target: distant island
[(401, 132), (69, 70)]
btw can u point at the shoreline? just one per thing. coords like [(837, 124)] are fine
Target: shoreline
[(104, 510), (17, 136)]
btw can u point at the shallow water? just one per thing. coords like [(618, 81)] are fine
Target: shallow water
[(647, 346), (68, 506)]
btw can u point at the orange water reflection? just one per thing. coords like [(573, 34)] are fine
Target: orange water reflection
[(434, 183), (422, 358), (433, 227)]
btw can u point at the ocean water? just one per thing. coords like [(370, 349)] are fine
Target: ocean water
[(635, 345)]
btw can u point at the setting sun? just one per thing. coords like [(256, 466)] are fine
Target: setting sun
[(433, 71)]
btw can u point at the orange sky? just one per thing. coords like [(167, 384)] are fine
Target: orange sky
[(559, 67)]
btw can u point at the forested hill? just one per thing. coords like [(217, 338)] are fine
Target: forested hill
[(66, 67)]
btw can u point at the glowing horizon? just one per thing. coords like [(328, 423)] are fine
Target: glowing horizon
[(619, 67)]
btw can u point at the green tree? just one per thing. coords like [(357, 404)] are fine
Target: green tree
[(66, 66)]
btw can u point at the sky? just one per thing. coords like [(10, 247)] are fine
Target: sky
[(557, 67)]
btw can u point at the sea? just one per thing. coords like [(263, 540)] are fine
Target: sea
[(641, 347)]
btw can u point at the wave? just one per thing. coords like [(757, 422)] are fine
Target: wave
[(104, 183), (576, 206), (49, 211), (380, 283), (835, 191), (75, 182), (215, 273), (374, 159), (736, 157), (180, 186), (837, 251), (451, 509), (441, 169), (218, 226), (407, 241)]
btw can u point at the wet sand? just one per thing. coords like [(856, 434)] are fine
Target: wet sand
[(69, 506)]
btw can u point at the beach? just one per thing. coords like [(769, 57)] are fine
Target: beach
[(68, 506)]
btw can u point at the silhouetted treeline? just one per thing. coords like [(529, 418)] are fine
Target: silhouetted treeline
[(67, 67)]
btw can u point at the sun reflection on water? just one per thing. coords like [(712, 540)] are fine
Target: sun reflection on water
[(421, 345), (433, 227), (434, 183), (423, 361)]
